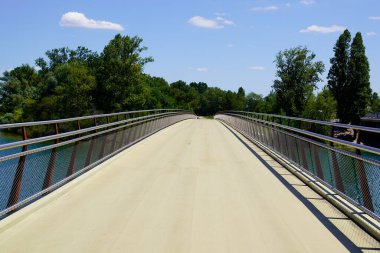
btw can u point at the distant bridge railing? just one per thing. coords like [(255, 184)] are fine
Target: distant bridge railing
[(350, 169), (63, 149)]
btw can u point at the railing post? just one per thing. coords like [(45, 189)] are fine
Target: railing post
[(337, 176), (113, 145), (149, 126), (366, 195), (317, 162), (303, 160), (124, 130), (73, 160), (50, 170), (104, 144), (140, 132), (132, 134), (145, 124), (90, 149), (16, 186)]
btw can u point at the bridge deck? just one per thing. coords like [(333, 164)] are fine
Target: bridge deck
[(193, 187)]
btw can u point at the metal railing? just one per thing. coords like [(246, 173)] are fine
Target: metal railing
[(63, 149), (336, 163), (306, 123)]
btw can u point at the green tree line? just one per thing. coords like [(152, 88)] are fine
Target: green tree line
[(347, 96), (69, 83)]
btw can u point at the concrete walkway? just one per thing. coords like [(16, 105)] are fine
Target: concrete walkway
[(193, 187)]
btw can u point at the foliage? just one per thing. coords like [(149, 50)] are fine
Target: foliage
[(69, 83), (320, 107), (200, 87), (349, 78), (297, 75), (19, 89), (211, 101), (338, 77), (360, 91), (186, 97), (254, 102), (120, 69), (73, 92), (270, 103)]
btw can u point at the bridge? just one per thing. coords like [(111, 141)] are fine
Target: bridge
[(168, 181)]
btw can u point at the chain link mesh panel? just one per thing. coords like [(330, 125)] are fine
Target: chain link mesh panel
[(38, 168), (355, 176)]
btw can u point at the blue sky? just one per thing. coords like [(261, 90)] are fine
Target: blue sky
[(223, 43)]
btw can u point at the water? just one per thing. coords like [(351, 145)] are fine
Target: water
[(36, 166), (7, 138)]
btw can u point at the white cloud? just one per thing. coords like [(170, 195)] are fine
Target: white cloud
[(204, 22), (374, 18), (288, 4), (371, 34), (323, 29), (77, 19), (224, 21), (201, 69), (217, 23), (257, 68), (265, 8), (230, 45), (307, 2)]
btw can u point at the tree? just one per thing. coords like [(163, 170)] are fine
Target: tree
[(121, 67), (160, 90), (359, 85), (74, 89), (57, 56), (297, 75), (69, 83), (321, 107), (254, 102), (270, 103), (211, 101), (200, 87), (19, 88), (338, 77), (349, 78), (186, 97), (240, 99)]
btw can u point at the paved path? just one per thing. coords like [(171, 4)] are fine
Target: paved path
[(193, 187)]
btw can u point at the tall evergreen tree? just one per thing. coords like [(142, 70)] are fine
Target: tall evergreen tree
[(338, 77), (349, 78), (359, 80)]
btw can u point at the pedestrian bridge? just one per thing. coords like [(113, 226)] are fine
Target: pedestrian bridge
[(167, 181)]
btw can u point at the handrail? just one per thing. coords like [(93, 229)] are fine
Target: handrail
[(320, 144), (30, 173), (36, 150), (71, 133), (315, 135), (320, 122), (48, 122), (347, 173)]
